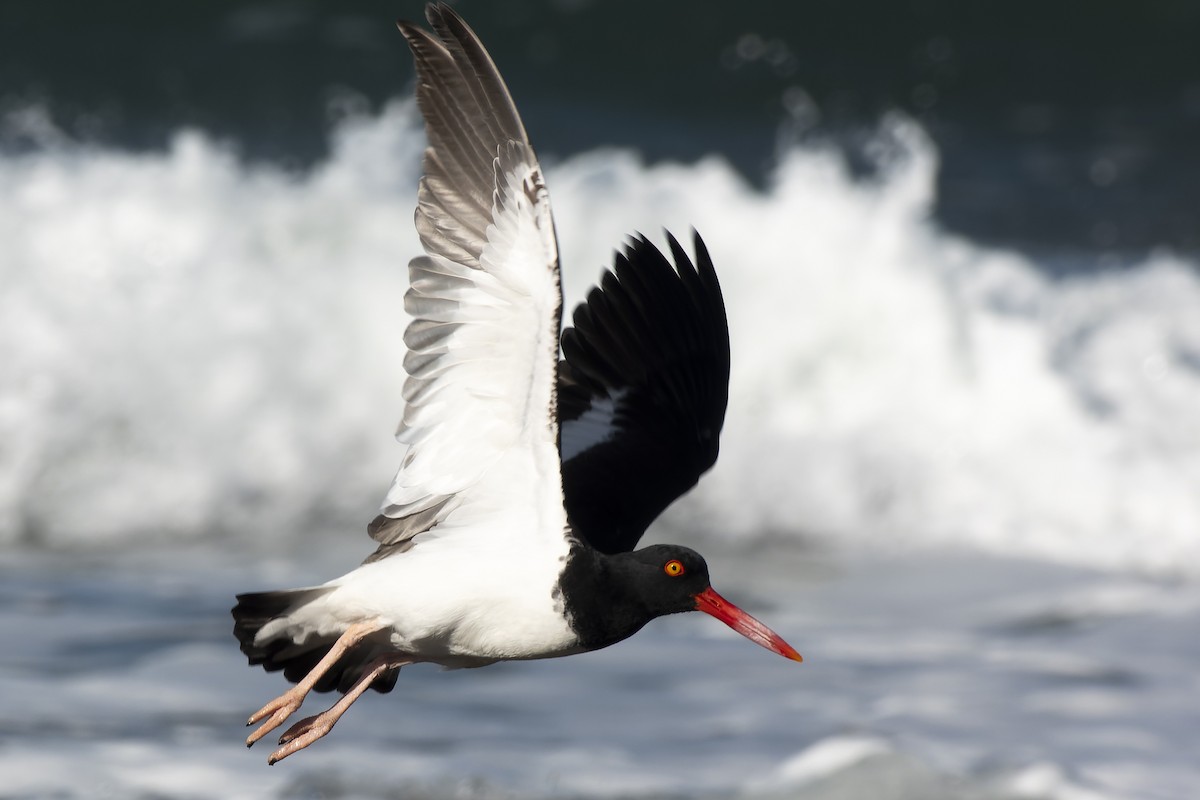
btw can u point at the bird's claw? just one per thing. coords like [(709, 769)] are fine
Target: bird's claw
[(279, 710), (302, 734), (299, 728)]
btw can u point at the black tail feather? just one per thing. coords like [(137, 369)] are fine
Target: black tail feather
[(255, 610)]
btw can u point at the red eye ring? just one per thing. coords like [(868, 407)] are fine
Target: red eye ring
[(674, 568)]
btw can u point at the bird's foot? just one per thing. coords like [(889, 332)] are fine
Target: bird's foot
[(309, 729), (279, 710), (304, 733)]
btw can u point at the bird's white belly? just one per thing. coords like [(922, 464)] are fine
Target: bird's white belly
[(458, 606)]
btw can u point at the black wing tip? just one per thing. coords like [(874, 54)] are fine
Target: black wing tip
[(640, 260), (673, 243), (704, 262), (622, 312), (637, 242)]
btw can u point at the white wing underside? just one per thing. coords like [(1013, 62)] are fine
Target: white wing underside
[(479, 418)]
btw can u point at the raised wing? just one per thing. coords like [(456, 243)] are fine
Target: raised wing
[(485, 301), (642, 391)]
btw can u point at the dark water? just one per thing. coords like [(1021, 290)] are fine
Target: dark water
[(926, 678), (1062, 126)]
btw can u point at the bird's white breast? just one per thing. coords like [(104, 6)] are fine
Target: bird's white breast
[(463, 600)]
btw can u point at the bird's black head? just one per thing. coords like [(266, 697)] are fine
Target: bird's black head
[(665, 578), (610, 597)]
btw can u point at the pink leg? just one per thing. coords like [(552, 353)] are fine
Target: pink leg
[(289, 702), (308, 730)]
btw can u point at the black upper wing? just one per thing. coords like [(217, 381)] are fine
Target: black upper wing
[(642, 391)]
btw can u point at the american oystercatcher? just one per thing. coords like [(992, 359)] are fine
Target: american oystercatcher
[(508, 532)]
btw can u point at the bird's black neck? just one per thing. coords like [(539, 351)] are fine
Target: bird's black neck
[(600, 597)]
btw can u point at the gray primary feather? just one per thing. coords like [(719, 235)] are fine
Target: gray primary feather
[(469, 114), (395, 535)]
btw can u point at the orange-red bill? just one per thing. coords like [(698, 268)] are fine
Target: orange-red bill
[(714, 605)]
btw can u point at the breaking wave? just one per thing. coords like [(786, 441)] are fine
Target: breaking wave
[(197, 347)]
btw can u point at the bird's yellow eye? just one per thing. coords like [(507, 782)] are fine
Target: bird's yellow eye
[(673, 567)]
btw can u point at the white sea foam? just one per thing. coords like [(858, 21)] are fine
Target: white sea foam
[(192, 345), (823, 759)]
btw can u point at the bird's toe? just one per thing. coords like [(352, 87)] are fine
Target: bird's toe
[(299, 729)]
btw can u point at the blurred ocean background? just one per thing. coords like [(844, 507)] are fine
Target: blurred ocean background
[(960, 246)]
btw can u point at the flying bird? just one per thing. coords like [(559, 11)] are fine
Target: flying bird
[(509, 530)]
